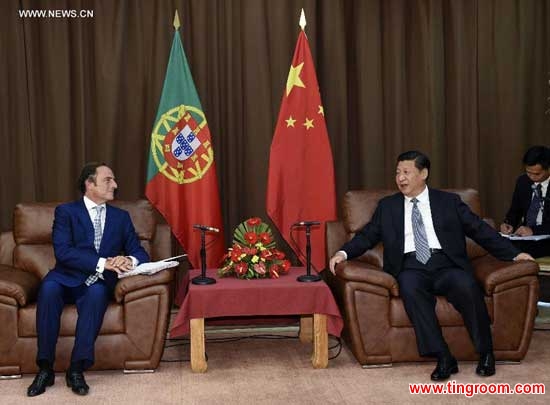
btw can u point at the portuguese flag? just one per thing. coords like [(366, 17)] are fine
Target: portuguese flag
[(181, 174)]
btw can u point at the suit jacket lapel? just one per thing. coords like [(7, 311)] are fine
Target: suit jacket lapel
[(109, 225), (399, 220), (84, 218), (437, 212)]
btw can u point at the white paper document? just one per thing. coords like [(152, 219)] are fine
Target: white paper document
[(149, 268), (174, 258), (532, 237)]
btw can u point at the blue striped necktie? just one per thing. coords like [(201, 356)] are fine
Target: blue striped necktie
[(421, 244), (98, 234)]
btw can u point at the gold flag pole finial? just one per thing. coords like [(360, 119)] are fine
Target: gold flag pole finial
[(176, 20), (302, 20)]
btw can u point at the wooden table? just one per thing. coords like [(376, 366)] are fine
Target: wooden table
[(283, 296)]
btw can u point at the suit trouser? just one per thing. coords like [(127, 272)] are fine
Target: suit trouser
[(418, 287), (91, 303)]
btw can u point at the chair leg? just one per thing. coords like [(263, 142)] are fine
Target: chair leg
[(383, 365), (10, 377)]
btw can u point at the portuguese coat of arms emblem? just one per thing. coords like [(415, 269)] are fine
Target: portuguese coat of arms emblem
[(181, 146)]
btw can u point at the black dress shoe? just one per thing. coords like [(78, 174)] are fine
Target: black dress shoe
[(44, 378), (486, 365), (75, 380), (445, 367)]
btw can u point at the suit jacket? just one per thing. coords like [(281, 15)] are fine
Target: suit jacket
[(452, 220), (521, 200), (73, 243)]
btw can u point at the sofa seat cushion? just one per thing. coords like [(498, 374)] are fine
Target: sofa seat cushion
[(447, 315), (113, 322)]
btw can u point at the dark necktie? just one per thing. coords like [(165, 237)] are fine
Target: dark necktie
[(421, 244), (534, 208)]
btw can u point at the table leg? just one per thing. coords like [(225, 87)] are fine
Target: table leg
[(198, 359), (319, 359), (306, 329)]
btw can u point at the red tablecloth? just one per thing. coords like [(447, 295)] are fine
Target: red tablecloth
[(235, 297)]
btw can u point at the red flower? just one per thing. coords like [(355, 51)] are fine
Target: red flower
[(254, 221), (236, 253), (285, 265), (278, 254), (251, 237), (250, 251), (235, 256), (259, 268), (273, 271), (241, 268), (265, 238)]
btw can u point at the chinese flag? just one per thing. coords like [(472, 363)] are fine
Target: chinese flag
[(301, 174), (181, 174)]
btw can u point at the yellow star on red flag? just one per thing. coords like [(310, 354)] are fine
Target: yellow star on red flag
[(294, 78)]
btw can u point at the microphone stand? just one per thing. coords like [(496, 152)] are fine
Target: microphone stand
[(308, 277), (202, 279)]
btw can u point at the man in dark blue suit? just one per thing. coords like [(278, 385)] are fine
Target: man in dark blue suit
[(423, 231), (93, 242), (529, 212)]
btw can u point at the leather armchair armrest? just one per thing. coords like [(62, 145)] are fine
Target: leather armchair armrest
[(134, 283), (7, 244), (491, 272), (18, 284), (353, 270)]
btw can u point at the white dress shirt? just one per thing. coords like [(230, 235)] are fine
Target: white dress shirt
[(92, 212), (426, 212), (544, 191), (90, 206)]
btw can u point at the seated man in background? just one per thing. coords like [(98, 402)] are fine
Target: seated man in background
[(529, 213), (89, 238), (423, 231)]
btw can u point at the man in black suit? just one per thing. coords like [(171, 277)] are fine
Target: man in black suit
[(423, 231), (529, 213)]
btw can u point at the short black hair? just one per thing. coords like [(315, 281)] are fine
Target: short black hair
[(537, 155), (88, 172), (421, 161)]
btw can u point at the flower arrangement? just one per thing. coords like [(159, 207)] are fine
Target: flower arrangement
[(253, 254)]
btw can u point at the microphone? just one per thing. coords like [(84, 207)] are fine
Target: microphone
[(306, 223), (206, 228)]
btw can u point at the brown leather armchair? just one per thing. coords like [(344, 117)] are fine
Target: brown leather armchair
[(135, 324), (377, 328)]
